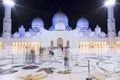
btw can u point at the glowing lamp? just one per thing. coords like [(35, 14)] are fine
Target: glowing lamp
[(8, 2), (109, 3)]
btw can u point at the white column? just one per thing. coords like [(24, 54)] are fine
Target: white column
[(7, 22), (111, 22), (111, 26)]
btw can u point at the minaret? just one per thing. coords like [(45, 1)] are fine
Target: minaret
[(7, 22), (111, 22)]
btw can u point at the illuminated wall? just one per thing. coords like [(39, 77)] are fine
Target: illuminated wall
[(25, 44), (117, 45), (21, 47), (93, 45), (1, 47)]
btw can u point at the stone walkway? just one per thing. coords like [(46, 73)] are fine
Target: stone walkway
[(102, 66)]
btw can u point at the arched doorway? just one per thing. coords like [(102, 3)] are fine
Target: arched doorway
[(59, 42)]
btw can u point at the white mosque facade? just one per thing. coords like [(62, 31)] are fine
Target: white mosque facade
[(93, 55), (60, 34)]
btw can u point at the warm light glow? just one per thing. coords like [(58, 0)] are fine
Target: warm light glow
[(93, 45), (117, 45), (110, 3), (8, 2)]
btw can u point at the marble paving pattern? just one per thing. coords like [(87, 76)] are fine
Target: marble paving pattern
[(102, 67)]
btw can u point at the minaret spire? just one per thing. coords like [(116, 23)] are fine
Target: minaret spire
[(111, 22), (7, 22)]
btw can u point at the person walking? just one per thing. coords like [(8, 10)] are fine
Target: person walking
[(62, 48), (66, 57), (32, 56), (27, 55), (41, 55)]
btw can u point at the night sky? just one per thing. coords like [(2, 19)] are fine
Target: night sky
[(26, 10)]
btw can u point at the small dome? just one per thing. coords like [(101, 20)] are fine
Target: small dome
[(119, 33), (37, 23), (27, 35), (103, 34), (83, 23), (16, 35), (60, 17)]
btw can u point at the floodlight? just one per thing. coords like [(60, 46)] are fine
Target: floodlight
[(109, 3), (8, 2)]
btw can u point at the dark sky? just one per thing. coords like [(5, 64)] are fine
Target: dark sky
[(26, 10)]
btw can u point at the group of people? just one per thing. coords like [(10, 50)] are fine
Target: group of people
[(30, 57), (51, 52), (66, 55)]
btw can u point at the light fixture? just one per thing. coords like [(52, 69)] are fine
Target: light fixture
[(109, 3), (8, 2)]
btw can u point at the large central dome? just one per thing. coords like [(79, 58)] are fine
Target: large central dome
[(60, 17)]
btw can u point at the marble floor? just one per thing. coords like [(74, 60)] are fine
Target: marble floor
[(104, 65)]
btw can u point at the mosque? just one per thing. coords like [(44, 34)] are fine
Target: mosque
[(60, 34), (93, 55)]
